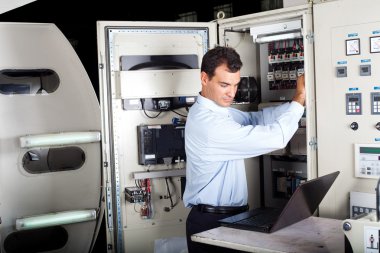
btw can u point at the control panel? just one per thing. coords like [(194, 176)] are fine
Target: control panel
[(161, 144), (375, 102), (353, 103), (362, 203), (367, 160), (347, 61)]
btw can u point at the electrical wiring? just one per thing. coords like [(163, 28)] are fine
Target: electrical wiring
[(146, 209), (142, 101), (134, 208), (179, 114), (172, 204)]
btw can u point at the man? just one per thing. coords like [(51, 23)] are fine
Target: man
[(218, 139)]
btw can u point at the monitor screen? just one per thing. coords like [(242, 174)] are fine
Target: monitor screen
[(159, 144)]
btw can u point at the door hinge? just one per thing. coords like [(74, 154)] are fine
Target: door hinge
[(313, 143), (310, 37)]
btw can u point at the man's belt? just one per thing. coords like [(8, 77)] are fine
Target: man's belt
[(221, 209)]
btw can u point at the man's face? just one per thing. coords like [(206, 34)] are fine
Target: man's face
[(221, 88)]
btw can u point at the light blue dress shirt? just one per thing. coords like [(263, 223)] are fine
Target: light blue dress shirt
[(218, 139)]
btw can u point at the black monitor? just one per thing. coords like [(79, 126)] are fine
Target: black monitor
[(159, 144)]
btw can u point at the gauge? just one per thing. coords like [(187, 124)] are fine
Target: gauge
[(375, 44), (353, 47)]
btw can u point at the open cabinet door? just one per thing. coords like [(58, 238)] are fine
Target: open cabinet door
[(149, 73), (276, 46), (50, 150)]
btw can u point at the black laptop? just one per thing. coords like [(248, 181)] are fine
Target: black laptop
[(302, 204)]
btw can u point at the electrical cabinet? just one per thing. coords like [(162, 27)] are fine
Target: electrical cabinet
[(346, 107), (146, 66), (339, 60), (149, 78)]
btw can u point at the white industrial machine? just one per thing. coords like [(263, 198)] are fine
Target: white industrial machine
[(50, 151), (362, 230), (149, 77), (362, 233)]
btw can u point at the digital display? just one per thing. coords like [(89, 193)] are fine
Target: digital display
[(353, 99), (369, 150), (376, 98)]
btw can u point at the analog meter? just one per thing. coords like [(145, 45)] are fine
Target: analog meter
[(353, 47), (375, 44)]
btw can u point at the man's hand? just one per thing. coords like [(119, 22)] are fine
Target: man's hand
[(300, 90)]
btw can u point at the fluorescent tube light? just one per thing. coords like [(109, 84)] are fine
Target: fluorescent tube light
[(285, 36), (68, 138), (277, 28), (55, 219)]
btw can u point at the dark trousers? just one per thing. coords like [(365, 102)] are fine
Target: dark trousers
[(199, 221)]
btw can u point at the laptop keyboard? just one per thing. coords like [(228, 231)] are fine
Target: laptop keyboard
[(258, 220), (261, 218)]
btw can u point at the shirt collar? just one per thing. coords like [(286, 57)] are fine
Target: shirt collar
[(208, 103)]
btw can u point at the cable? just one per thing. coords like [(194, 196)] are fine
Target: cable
[(179, 113), (169, 193), (152, 117), (134, 207), (150, 206), (142, 100)]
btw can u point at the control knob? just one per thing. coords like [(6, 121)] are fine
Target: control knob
[(354, 126), (377, 126)]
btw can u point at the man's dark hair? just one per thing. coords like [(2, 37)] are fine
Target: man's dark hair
[(219, 56)]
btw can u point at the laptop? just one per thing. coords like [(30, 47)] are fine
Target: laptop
[(301, 205)]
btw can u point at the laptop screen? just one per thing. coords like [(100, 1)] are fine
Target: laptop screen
[(305, 200), (302, 204)]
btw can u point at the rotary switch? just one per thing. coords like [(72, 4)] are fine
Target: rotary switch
[(354, 126)]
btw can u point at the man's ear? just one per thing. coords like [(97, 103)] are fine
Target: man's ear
[(204, 78)]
